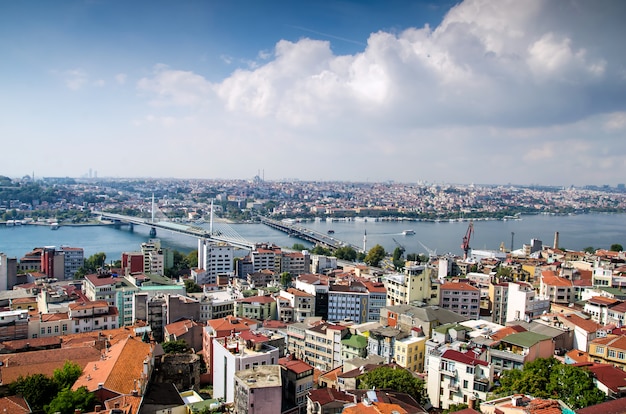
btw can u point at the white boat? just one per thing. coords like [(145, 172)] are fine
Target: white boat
[(54, 226), (408, 232)]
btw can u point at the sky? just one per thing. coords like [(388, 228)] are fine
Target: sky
[(481, 91)]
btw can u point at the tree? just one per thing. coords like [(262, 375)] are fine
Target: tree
[(175, 347), (298, 247), (319, 250), (397, 379), (345, 253), (375, 255), (616, 247), (454, 408), (589, 249), (37, 389), (66, 377), (548, 378), (192, 287), (285, 279), (67, 401)]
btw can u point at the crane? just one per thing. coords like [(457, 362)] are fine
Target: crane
[(431, 253), (401, 247), (466, 239)]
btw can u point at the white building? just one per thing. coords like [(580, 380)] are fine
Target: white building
[(456, 377), (231, 354), (523, 304), (216, 259)]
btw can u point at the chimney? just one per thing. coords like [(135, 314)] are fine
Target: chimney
[(556, 240)]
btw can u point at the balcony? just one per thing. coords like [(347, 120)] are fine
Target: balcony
[(453, 387), (448, 372)]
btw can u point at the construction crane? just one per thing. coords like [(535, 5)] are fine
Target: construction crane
[(431, 253), (401, 247), (466, 239)]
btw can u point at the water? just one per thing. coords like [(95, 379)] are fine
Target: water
[(575, 232)]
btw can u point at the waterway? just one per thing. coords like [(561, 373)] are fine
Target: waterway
[(575, 232)]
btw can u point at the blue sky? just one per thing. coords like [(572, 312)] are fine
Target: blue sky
[(530, 92)]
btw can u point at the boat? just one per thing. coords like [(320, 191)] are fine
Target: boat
[(331, 232), (408, 232), (54, 226)]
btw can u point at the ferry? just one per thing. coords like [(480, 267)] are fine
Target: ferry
[(408, 232), (54, 226), (331, 232)]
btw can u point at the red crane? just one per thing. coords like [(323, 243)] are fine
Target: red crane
[(466, 239)]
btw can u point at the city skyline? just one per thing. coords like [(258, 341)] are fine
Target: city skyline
[(409, 91)]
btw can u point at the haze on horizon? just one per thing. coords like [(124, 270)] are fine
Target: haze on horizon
[(476, 92)]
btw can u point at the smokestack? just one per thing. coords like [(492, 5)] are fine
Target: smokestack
[(556, 240)]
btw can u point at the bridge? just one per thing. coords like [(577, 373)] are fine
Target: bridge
[(308, 234), (224, 234)]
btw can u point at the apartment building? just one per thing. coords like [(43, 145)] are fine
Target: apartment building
[(461, 298), (556, 289), (523, 304), (265, 277), (598, 307), (499, 297), (426, 318), (318, 285), (609, 350), (322, 345), (265, 256), (216, 259), (297, 377), (414, 285), (300, 304), (514, 350), (256, 307), (258, 390), (295, 263), (92, 316), (214, 304), (232, 354), (456, 377), (409, 352)]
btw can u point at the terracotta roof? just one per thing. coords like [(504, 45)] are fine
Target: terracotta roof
[(375, 407), (463, 358), (101, 281), (612, 377), (506, 331), (617, 342), (295, 365), (549, 277), (602, 301), (297, 292), (458, 286), (180, 328), (14, 404), (585, 324), (324, 396), (610, 407), (257, 299), (121, 369), (578, 356), (224, 326), (44, 361), (332, 374)]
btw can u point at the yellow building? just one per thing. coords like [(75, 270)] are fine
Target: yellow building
[(409, 353), (609, 350)]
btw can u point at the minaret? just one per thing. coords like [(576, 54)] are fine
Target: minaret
[(211, 220), (365, 241), (152, 207), (556, 240)]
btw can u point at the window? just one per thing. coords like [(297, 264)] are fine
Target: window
[(620, 355), (611, 353), (599, 349)]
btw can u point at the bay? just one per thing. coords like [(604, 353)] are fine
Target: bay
[(575, 232)]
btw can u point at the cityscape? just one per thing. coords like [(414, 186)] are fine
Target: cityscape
[(318, 328), (337, 207)]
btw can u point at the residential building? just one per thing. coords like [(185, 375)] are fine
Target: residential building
[(455, 377), (258, 390), (301, 303), (256, 307), (8, 272), (13, 325), (318, 285), (232, 354), (92, 316), (353, 346), (220, 328), (414, 285), (348, 302), (264, 256), (295, 263), (297, 378), (426, 318), (327, 401), (461, 298), (186, 330), (265, 277), (216, 259), (598, 307), (73, 259), (609, 350), (214, 304), (382, 342), (556, 289), (322, 345), (409, 352), (523, 304), (499, 296), (514, 350)]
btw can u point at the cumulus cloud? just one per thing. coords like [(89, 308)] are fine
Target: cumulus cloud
[(75, 79), (502, 74)]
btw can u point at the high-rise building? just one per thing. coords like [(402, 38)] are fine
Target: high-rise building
[(8, 272), (216, 259)]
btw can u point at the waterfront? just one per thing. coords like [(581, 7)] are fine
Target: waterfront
[(576, 232)]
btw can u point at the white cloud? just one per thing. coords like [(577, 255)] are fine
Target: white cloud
[(75, 79), (120, 78), (528, 83)]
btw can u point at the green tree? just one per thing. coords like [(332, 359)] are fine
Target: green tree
[(37, 389), (320, 250), (298, 247), (454, 408), (192, 258), (192, 287), (175, 347), (397, 379), (375, 255), (548, 378), (285, 279), (589, 249), (616, 247), (345, 253), (66, 377), (67, 401)]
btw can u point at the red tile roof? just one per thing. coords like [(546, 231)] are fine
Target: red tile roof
[(324, 396), (463, 358), (458, 286)]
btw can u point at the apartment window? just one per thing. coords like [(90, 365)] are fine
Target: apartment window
[(611, 353), (599, 349)]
